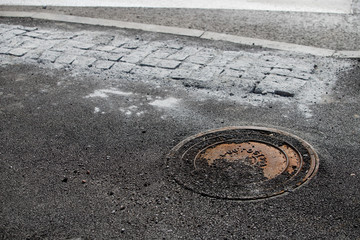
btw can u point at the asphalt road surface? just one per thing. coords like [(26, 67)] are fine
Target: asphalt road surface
[(326, 6), (84, 143)]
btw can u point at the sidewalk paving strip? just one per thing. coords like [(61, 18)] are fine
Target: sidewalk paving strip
[(186, 32)]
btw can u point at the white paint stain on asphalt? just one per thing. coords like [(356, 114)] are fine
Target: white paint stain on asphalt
[(96, 110), (324, 6), (104, 93), (165, 103)]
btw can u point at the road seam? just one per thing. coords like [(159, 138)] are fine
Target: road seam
[(323, 52)]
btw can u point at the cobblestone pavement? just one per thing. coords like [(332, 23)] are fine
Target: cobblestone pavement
[(251, 76)]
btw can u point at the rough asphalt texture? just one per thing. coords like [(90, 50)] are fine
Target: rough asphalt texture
[(89, 114), (332, 31)]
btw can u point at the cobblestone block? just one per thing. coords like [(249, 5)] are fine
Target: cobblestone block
[(10, 34), (201, 58), (3, 30), (290, 73), (281, 71), (83, 37), (156, 45), (131, 45), (66, 59), (305, 68), (284, 86), (60, 36), (174, 45), (102, 39), (34, 54), (207, 73), (60, 47), (122, 51), (4, 50), (168, 64), (18, 52), (236, 84), (118, 42), (30, 44), (266, 64), (114, 57), (45, 32), (301, 75), (122, 67), (232, 73), (163, 53), (49, 56), (185, 71), (150, 71), (78, 52), (221, 60), (134, 57), (105, 48), (254, 74), (104, 65), (240, 64), (45, 44), (83, 61), (183, 54), (180, 74), (18, 32), (190, 66), (149, 62), (15, 42), (83, 46), (28, 29), (101, 55), (36, 35)]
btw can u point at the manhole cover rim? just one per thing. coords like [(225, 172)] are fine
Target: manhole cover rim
[(310, 173)]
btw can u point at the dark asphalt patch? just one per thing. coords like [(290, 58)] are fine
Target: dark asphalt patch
[(127, 194)]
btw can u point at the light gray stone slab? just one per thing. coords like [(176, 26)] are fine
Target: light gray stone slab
[(105, 48), (347, 54), (66, 59), (284, 86), (18, 52), (4, 50), (163, 53), (17, 14), (149, 62), (49, 56), (104, 65), (83, 61), (168, 64), (81, 45), (269, 44), (122, 67)]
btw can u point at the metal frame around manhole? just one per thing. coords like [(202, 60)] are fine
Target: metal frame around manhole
[(214, 182)]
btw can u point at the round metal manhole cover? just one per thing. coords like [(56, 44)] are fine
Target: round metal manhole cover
[(242, 163)]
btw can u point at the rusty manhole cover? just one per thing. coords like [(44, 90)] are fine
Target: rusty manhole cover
[(243, 163)]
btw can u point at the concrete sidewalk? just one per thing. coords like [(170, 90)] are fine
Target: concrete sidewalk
[(88, 115), (321, 30)]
